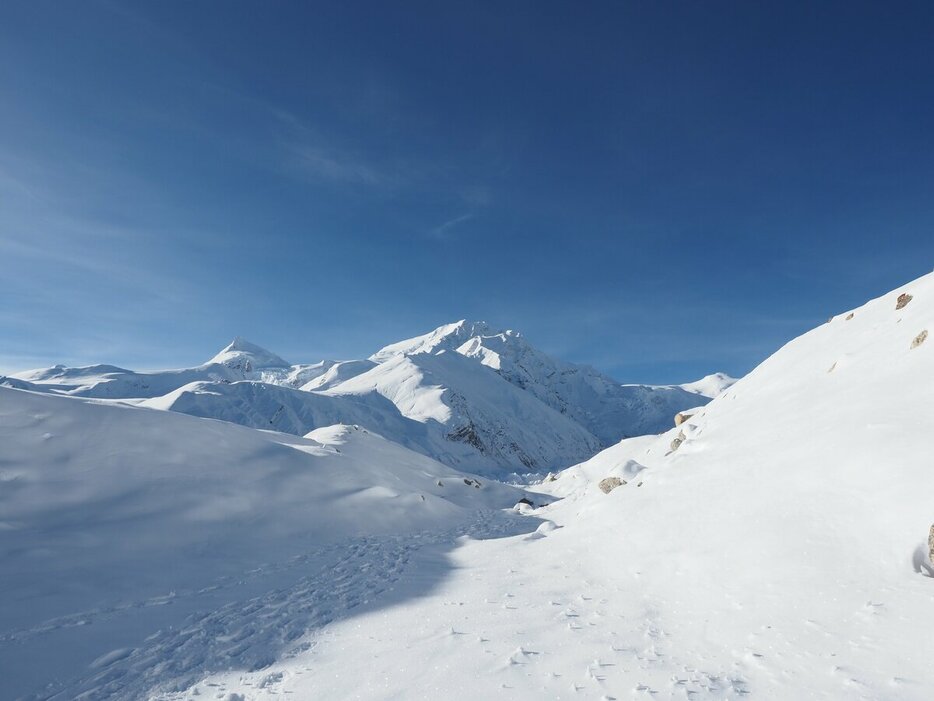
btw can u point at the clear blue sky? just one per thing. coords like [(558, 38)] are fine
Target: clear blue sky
[(658, 189)]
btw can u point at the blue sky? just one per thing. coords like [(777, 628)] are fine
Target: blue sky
[(658, 189)]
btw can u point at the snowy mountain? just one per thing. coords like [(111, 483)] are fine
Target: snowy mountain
[(464, 394), (468, 407), (607, 409), (246, 356), (775, 545)]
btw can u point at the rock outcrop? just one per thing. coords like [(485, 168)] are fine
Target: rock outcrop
[(676, 443), (610, 483), (682, 416)]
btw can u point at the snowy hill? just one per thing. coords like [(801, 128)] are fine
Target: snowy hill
[(132, 519)]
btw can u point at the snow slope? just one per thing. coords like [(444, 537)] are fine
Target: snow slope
[(118, 522), (465, 405), (779, 552)]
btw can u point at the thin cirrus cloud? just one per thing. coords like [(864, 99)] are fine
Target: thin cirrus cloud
[(338, 167), (447, 229)]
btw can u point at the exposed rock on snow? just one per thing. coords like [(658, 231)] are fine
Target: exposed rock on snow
[(919, 339), (903, 300), (608, 484), (678, 440), (683, 416)]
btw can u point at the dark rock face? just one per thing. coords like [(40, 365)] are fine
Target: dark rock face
[(903, 300), (468, 434)]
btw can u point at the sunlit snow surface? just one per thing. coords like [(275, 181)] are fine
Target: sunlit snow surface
[(778, 553)]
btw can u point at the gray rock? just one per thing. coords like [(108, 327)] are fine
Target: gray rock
[(931, 545), (903, 300), (919, 339), (676, 443), (610, 483)]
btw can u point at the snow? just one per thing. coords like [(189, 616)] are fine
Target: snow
[(464, 394), (777, 553), (710, 386), (607, 409), (248, 356), (468, 408), (119, 522)]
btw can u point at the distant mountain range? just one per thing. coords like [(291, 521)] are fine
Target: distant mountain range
[(465, 394)]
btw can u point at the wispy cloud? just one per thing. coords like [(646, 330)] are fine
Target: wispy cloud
[(339, 167), (445, 231)]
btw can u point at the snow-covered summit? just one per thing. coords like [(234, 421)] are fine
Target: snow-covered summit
[(447, 337), (242, 355), (606, 408)]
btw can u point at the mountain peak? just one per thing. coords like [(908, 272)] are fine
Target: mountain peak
[(447, 337), (242, 354)]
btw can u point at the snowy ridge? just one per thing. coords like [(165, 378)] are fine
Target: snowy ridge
[(487, 403), (607, 409)]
